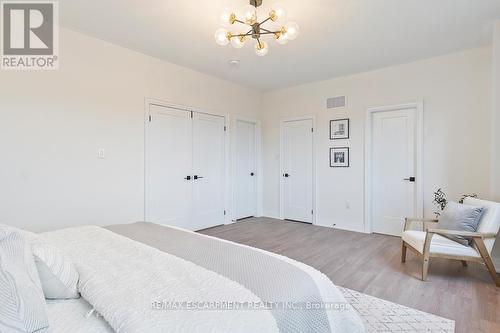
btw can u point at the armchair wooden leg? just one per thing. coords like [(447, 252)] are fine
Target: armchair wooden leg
[(487, 261), (426, 255), (403, 253), (425, 268), (464, 263)]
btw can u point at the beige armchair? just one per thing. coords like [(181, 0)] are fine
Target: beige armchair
[(433, 243)]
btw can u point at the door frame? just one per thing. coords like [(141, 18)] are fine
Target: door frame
[(258, 164), (419, 163), (154, 101), (314, 173)]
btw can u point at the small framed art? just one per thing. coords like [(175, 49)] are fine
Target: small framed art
[(339, 157), (339, 129)]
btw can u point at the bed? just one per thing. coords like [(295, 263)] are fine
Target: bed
[(146, 277)]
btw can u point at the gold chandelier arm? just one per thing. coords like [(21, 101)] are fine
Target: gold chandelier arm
[(267, 19), (236, 20), (242, 35), (268, 31)]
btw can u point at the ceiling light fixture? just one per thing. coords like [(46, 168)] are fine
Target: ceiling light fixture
[(249, 17)]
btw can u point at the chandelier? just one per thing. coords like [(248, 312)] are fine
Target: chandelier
[(250, 18)]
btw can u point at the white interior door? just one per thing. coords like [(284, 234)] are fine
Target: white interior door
[(208, 171), (393, 170), (298, 170), (245, 175), (168, 163)]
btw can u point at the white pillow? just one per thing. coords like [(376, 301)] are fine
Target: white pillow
[(58, 275), (22, 306)]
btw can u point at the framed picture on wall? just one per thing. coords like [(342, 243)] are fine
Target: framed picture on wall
[(339, 157), (339, 129)]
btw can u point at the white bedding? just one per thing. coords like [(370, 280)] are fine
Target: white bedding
[(121, 278), (73, 316)]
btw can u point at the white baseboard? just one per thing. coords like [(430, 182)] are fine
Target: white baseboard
[(271, 215), (338, 227)]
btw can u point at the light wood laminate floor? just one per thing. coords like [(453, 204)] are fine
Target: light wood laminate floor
[(372, 264)]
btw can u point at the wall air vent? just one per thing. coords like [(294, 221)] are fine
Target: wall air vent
[(338, 102)]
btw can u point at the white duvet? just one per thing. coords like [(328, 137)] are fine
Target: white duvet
[(121, 278)]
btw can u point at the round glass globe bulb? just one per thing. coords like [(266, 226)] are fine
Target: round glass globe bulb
[(238, 42), (261, 48), (221, 37), (292, 30), (277, 13), (227, 17), (249, 14), (281, 38)]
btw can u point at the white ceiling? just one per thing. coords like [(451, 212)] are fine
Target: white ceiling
[(338, 37)]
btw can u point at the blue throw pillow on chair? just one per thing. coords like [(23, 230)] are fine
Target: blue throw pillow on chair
[(460, 218)]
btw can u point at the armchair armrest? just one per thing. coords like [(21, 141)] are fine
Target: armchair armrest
[(462, 233), (409, 220)]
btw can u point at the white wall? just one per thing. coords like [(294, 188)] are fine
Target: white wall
[(496, 112), (53, 123), (456, 90), (495, 151)]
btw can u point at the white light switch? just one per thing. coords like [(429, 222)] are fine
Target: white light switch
[(101, 154)]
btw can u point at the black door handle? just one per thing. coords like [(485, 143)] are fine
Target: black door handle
[(196, 177), (286, 175), (188, 178), (411, 179), (252, 174)]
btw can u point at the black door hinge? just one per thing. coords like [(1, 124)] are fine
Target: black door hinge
[(225, 128), (312, 130), (150, 118), (224, 213), (312, 212)]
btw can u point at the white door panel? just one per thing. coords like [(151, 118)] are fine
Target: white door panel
[(245, 170), (394, 160), (208, 167), (169, 161), (298, 170), (183, 144)]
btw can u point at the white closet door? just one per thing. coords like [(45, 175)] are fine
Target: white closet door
[(208, 171), (168, 163), (298, 170), (245, 174)]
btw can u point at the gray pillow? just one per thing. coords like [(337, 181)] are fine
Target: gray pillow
[(22, 305), (460, 218)]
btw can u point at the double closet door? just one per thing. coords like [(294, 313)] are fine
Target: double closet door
[(185, 169)]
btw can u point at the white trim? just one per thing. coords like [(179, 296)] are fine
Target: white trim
[(185, 107), (282, 122), (419, 128), (153, 101), (258, 164)]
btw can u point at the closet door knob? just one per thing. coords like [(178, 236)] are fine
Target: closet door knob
[(196, 177), (188, 178), (252, 174)]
